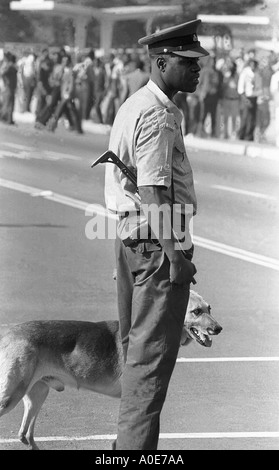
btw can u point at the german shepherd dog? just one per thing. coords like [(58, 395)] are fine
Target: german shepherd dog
[(38, 355)]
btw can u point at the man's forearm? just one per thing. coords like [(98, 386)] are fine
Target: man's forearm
[(159, 219), (181, 269)]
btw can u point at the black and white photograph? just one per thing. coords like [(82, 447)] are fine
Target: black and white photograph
[(139, 227)]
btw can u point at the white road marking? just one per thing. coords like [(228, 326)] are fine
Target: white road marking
[(59, 156), (31, 153), (238, 253), (55, 156), (179, 435), (243, 191), (227, 250), (228, 359), (22, 154), (51, 196), (19, 146)]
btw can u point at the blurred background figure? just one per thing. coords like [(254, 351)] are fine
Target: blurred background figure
[(114, 70), (274, 91), (263, 100), (108, 104), (136, 77), (249, 89), (28, 78), (99, 79), (67, 105), (194, 109), (210, 93), (84, 84), (54, 81), (43, 89), (230, 99), (8, 73)]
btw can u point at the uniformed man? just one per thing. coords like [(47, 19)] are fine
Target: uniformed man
[(154, 271)]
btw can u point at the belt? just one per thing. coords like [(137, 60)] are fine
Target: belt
[(128, 242), (133, 243)]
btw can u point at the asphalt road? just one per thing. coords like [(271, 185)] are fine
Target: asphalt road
[(222, 398)]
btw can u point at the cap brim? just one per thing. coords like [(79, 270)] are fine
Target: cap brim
[(194, 52)]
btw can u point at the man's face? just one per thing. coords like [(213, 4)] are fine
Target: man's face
[(181, 73)]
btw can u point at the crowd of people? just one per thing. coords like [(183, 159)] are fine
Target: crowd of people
[(235, 97), (239, 95), (83, 88)]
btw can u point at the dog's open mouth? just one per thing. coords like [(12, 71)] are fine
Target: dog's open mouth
[(201, 338)]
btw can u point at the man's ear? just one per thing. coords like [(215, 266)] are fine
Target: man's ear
[(161, 63)]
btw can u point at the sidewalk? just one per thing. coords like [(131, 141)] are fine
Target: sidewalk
[(266, 150)]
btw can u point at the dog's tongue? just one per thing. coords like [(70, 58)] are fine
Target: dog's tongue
[(208, 342)]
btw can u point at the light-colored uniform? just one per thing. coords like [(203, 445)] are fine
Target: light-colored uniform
[(146, 136)]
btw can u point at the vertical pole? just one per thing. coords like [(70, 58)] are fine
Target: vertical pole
[(106, 32), (81, 23), (148, 25)]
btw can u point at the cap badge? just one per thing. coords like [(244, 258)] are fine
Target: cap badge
[(195, 37)]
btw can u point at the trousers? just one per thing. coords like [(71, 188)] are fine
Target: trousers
[(248, 118), (151, 316), (48, 110), (8, 105)]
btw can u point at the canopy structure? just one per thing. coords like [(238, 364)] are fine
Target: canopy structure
[(262, 30), (107, 17)]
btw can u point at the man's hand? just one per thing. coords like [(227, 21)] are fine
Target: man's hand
[(182, 270)]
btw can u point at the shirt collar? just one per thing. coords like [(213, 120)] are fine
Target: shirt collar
[(165, 101)]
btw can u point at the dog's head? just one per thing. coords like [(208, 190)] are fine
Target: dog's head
[(199, 324)]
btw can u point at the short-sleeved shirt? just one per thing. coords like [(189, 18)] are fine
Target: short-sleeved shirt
[(146, 136)]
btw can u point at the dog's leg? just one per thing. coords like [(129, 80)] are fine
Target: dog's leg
[(33, 402), (10, 398), (17, 365)]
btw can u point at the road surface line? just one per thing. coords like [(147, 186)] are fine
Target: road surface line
[(227, 250), (243, 191), (59, 156), (180, 435), (238, 253), (19, 146), (22, 154), (228, 359), (28, 153), (51, 196)]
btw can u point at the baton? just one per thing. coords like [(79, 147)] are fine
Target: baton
[(110, 157)]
